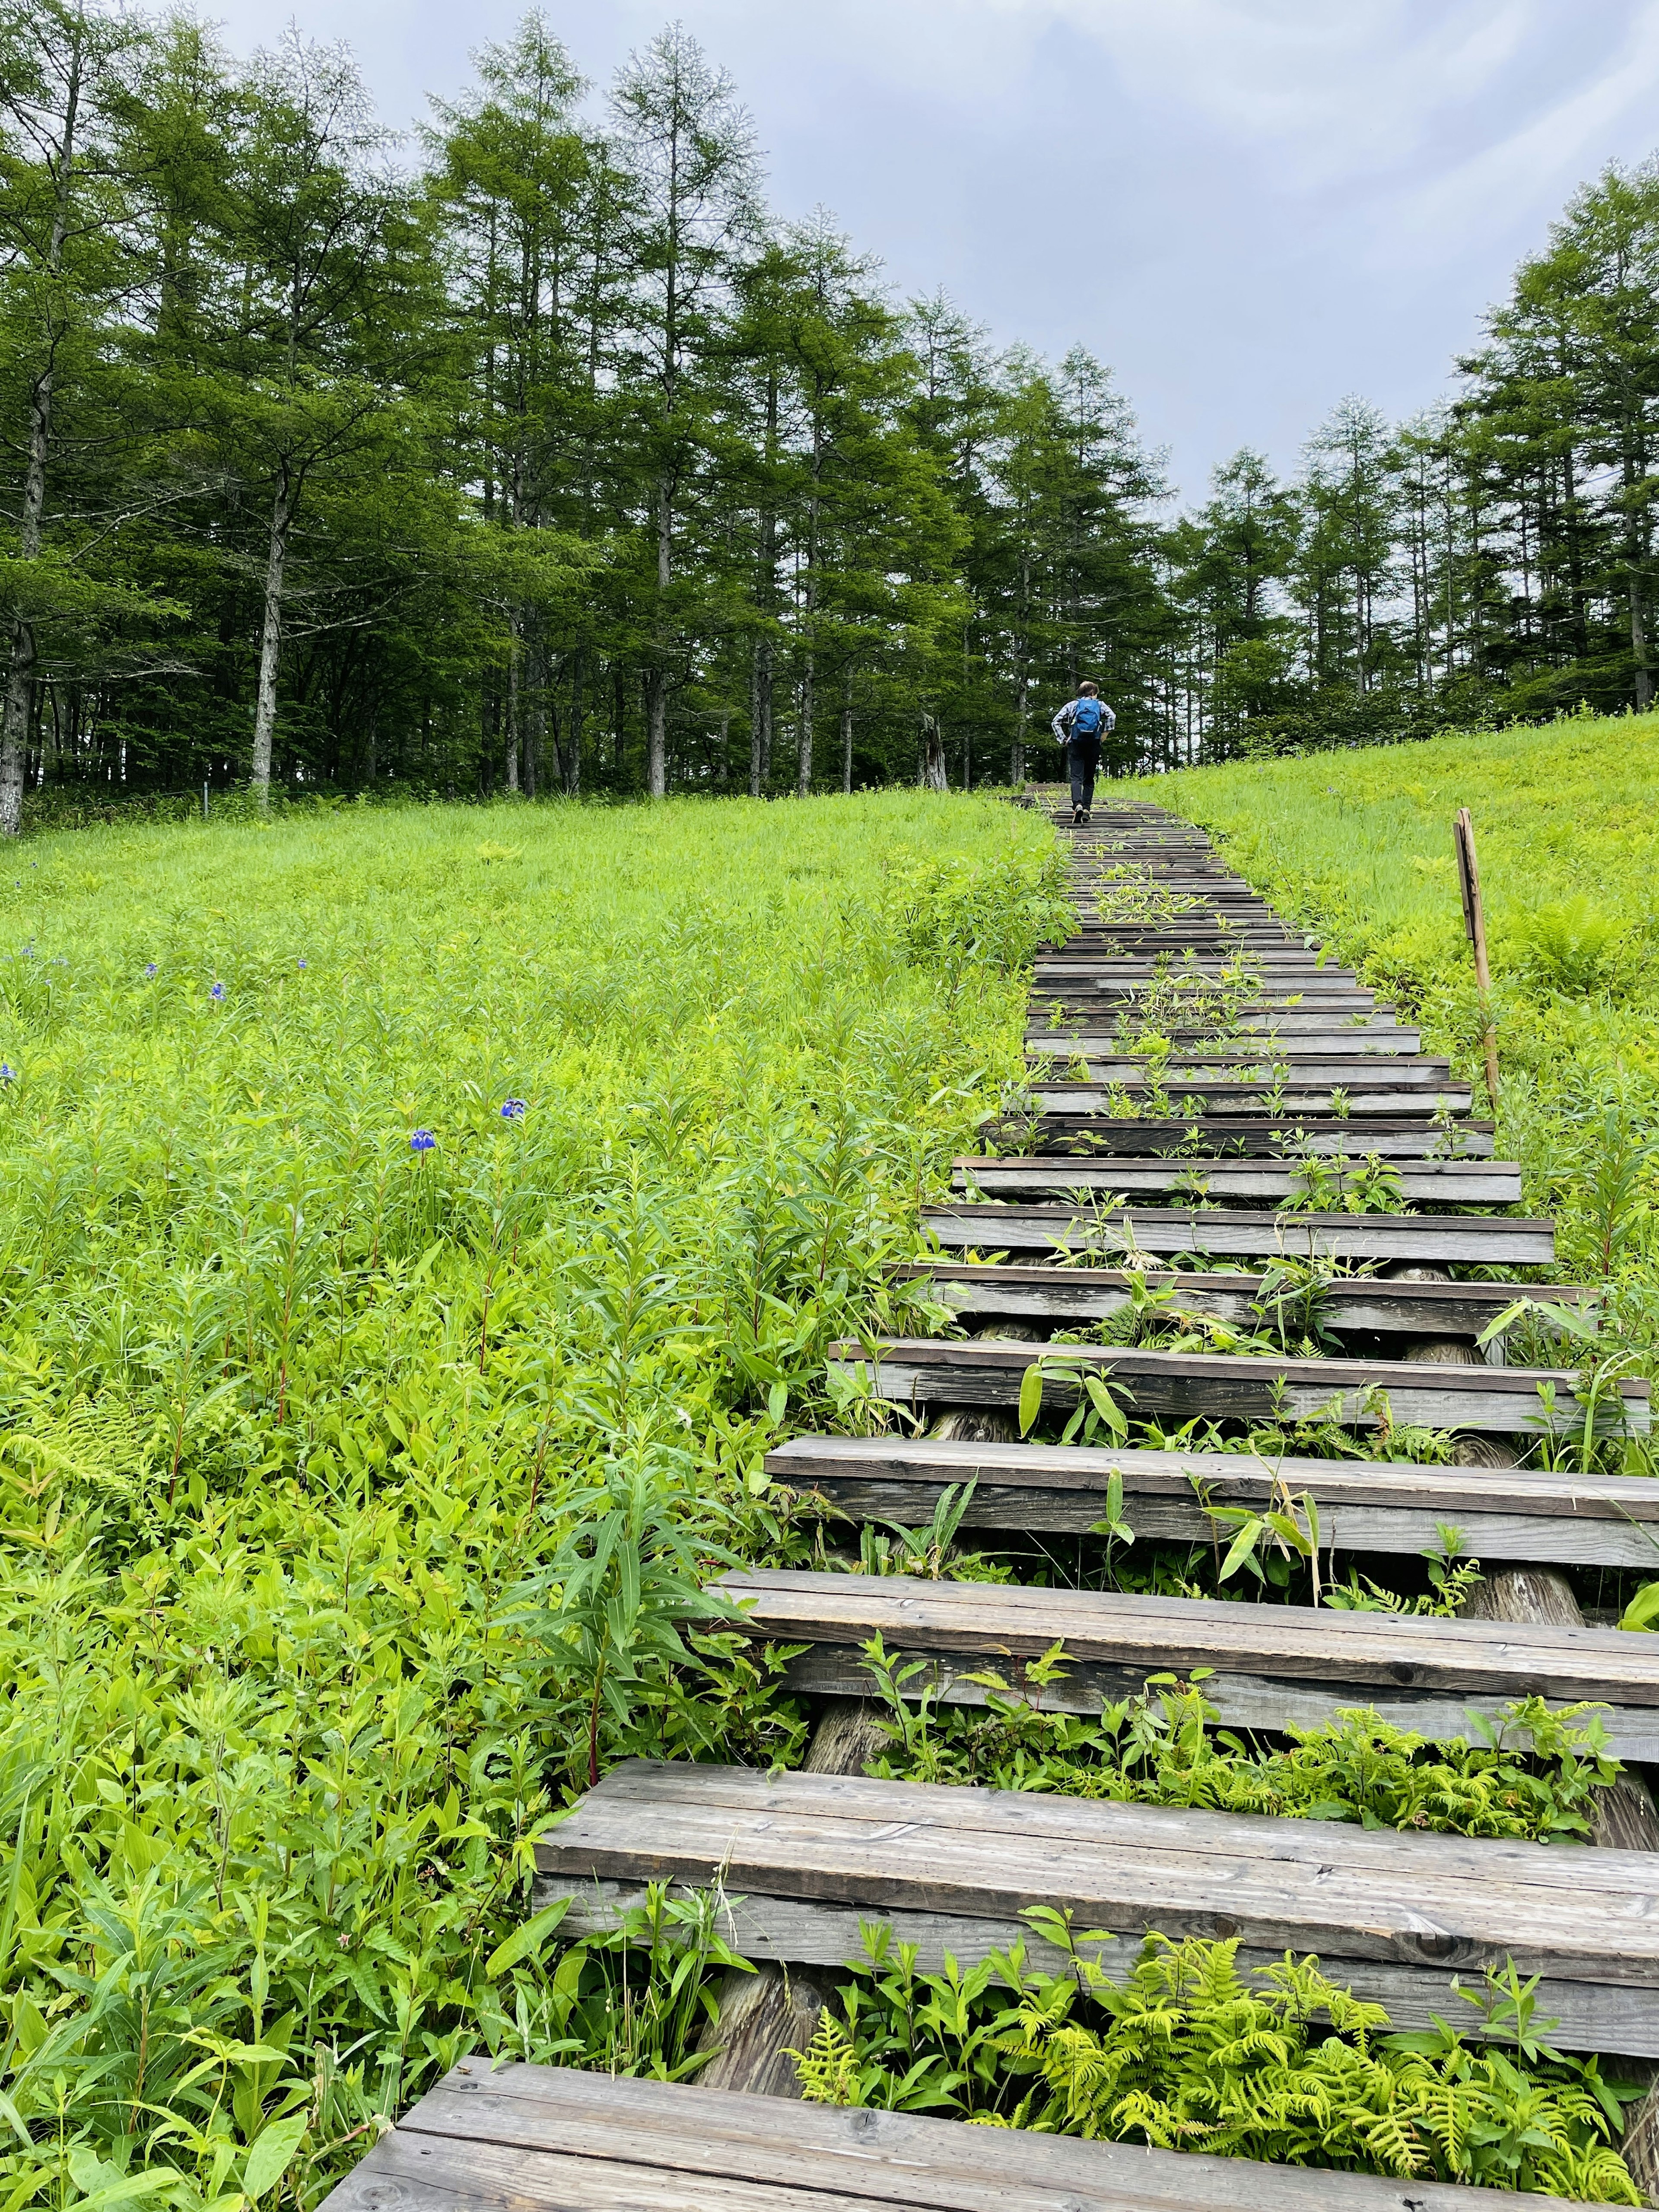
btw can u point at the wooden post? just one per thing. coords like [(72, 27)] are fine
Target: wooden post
[(1474, 922)]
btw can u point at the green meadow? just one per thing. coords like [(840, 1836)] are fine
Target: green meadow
[(1358, 846), (413, 1222)]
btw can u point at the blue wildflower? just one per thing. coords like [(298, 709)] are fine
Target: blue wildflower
[(305, 964), (217, 992), (7, 1074), (149, 968), (514, 1109), (422, 1141)]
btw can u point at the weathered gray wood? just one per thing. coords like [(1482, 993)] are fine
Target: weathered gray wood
[(1502, 1242), (1104, 1136), (569, 2139), (1264, 1181), (1390, 1506), (1066, 1296), (1220, 1095), (1272, 1665), (987, 1371), (1360, 1041), (1588, 1923)]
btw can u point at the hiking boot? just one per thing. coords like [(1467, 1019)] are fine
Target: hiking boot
[(1077, 815)]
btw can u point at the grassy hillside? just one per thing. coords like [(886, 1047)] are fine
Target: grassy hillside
[(401, 1214), (1358, 846)]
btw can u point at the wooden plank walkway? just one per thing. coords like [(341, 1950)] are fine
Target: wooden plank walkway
[(1064, 1297), (1498, 1241), (802, 1859), (517, 2138), (1246, 1181), (1404, 1136), (1400, 1506), (922, 1371), (1274, 1666)]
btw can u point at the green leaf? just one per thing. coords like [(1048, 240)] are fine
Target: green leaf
[(1643, 1611), (272, 2154), (525, 1940), (1030, 1397)]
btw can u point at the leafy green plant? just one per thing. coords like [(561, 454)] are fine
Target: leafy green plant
[(1182, 2052)]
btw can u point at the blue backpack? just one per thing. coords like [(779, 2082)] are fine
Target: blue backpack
[(1086, 719)]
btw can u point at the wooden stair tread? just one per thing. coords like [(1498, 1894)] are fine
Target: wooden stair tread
[(1500, 1240), (985, 1371), (555, 2139), (1616, 1515), (1352, 1301), (1274, 1665), (1585, 1921), (1442, 1183)]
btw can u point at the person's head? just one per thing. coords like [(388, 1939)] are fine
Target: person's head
[(1088, 689)]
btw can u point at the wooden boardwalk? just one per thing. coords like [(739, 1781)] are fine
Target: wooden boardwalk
[(1274, 1080)]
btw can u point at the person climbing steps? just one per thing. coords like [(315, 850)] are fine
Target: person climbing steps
[(1080, 726)]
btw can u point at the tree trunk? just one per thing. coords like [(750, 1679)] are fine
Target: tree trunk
[(572, 761), (933, 755), (847, 732), (656, 683), (512, 706), (1639, 643), (803, 732), (271, 636), (19, 702), (760, 715)]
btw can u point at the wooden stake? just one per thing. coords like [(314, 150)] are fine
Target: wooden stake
[(1474, 922)]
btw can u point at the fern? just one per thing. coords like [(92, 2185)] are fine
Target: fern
[(1184, 2053)]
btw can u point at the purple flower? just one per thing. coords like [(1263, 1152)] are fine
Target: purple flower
[(514, 1109), (217, 992), (422, 1141), (7, 1074), (150, 967), (305, 964)]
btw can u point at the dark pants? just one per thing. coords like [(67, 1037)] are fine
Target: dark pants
[(1083, 760)]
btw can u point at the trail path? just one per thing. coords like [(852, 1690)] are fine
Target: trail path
[(1205, 1086)]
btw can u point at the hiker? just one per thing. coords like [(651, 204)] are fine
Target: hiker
[(1080, 725)]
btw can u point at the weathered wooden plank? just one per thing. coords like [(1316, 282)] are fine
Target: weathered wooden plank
[(558, 2136), (1333, 1039), (1272, 1666), (1215, 1097), (1376, 1506), (1067, 1295), (1588, 1923), (1500, 1241), (1589, 2016), (1390, 1136), (1244, 1181), (928, 1371)]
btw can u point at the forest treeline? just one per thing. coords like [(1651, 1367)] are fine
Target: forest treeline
[(537, 454)]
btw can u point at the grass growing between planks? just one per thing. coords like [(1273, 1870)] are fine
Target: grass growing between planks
[(415, 1226)]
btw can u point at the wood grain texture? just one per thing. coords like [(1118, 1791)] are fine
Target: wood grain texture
[(1500, 1242), (1244, 1181), (987, 1371), (577, 2140)]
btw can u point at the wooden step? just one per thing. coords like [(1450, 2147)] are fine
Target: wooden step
[(1189, 1046), (1381, 1095), (1199, 1135), (507, 2137), (1274, 1667), (1500, 1241), (1142, 1071), (1364, 1505), (1242, 1182), (802, 1859), (920, 1370), (1068, 1297)]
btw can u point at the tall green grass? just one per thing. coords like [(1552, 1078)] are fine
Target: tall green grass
[(1357, 846), (414, 1228)]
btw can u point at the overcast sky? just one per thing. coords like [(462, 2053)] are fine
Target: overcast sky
[(1249, 207)]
